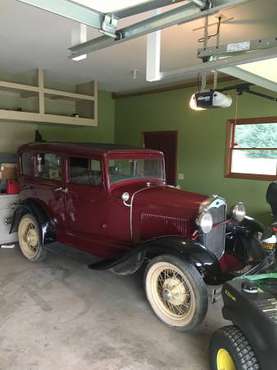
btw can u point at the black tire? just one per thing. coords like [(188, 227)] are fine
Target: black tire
[(232, 341), (170, 295), (36, 253)]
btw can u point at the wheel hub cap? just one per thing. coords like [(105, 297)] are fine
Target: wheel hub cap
[(31, 237), (174, 292)]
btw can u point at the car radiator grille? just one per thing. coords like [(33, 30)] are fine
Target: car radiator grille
[(215, 240), (164, 224)]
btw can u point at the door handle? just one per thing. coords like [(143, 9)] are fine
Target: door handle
[(64, 190)]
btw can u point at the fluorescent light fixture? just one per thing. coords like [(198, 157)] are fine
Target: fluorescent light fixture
[(264, 68), (109, 6)]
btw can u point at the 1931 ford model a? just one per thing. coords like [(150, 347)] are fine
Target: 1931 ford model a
[(114, 203)]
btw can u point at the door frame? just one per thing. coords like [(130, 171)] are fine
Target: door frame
[(173, 132)]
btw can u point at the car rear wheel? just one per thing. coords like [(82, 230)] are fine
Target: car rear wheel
[(30, 240), (230, 350), (176, 292)]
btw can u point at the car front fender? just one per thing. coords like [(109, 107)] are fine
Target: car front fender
[(46, 224), (192, 251)]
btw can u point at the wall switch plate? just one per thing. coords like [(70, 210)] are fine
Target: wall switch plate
[(181, 176)]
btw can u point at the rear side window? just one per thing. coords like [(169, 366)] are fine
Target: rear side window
[(49, 166), (85, 171), (27, 164)]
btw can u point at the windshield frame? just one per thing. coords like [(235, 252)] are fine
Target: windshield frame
[(136, 156)]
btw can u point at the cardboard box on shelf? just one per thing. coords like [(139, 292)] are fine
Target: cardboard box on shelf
[(8, 171)]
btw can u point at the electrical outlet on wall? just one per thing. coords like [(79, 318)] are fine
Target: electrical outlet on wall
[(181, 176)]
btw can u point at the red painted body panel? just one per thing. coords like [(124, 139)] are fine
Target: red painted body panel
[(94, 218), (164, 210)]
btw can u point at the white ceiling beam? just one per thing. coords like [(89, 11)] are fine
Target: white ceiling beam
[(199, 3), (249, 77), (221, 64), (179, 15), (145, 7), (70, 10)]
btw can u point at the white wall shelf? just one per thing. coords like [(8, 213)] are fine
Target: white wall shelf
[(9, 115), (84, 100), (18, 87), (58, 94)]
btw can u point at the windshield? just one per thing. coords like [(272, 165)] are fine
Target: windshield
[(126, 169)]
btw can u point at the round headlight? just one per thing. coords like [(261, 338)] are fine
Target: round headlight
[(205, 221), (239, 211), (125, 196)]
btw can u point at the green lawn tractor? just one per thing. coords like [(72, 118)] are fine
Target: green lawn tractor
[(251, 342)]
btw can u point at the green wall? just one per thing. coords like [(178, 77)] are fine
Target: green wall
[(201, 141), (103, 133)]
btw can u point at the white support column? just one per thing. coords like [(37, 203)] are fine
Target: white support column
[(96, 101), (153, 54), (79, 36), (41, 91)]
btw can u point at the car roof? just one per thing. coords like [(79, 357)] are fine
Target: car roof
[(85, 148)]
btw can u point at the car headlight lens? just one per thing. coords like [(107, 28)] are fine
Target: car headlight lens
[(239, 211), (205, 221)]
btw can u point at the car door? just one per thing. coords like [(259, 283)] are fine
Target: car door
[(49, 186), (85, 204), (92, 212)]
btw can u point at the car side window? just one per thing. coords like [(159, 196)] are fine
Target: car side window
[(48, 166), (85, 171), (27, 164)]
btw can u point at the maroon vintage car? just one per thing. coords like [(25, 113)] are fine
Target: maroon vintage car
[(113, 202)]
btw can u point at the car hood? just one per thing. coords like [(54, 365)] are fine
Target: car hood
[(162, 198)]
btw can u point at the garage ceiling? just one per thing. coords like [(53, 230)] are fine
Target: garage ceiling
[(108, 6), (30, 37)]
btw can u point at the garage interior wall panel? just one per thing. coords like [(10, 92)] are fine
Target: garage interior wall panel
[(201, 141), (104, 132), (14, 134)]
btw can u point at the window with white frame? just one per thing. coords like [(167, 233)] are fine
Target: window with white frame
[(252, 148)]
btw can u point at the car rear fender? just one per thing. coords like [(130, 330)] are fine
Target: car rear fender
[(192, 251), (46, 224)]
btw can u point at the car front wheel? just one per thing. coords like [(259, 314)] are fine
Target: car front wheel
[(176, 292), (29, 239)]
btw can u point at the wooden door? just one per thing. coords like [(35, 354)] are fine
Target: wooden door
[(166, 142)]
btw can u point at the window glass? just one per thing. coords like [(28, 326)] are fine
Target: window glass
[(256, 135), (85, 171), (27, 164), (124, 169), (255, 162), (253, 149), (49, 166)]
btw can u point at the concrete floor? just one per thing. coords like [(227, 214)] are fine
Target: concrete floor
[(60, 315)]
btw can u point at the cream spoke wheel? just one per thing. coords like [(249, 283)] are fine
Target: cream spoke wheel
[(171, 293), (176, 292), (29, 237)]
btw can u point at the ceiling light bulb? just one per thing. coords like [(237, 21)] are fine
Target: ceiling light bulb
[(193, 104)]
